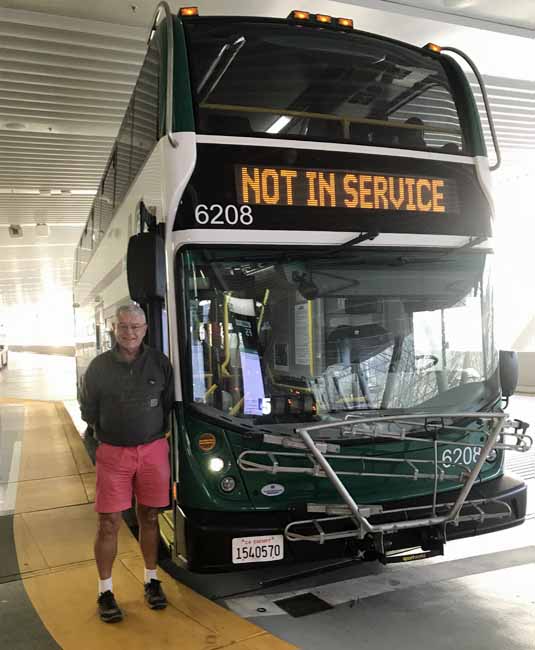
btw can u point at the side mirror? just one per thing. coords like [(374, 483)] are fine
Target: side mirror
[(145, 267), (508, 372)]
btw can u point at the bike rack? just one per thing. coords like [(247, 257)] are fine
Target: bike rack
[(314, 458)]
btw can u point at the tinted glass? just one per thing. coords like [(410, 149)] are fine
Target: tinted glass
[(293, 81), (287, 341)]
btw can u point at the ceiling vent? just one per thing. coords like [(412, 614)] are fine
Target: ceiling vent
[(15, 230)]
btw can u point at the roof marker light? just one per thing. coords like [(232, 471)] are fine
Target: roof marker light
[(299, 15), (433, 47), (188, 11), (323, 18), (345, 22)]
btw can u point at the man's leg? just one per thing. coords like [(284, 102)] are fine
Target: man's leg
[(149, 540), (151, 487), (106, 542), (105, 552), (149, 534)]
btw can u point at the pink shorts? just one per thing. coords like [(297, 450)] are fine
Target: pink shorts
[(124, 471)]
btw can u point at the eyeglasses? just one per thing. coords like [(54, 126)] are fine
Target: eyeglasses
[(122, 327)]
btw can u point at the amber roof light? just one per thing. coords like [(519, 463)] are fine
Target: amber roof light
[(323, 18), (188, 11), (345, 22), (299, 15), (433, 47)]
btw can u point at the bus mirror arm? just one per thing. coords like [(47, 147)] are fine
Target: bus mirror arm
[(485, 101)]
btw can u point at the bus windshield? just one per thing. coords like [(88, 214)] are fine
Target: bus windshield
[(282, 80), (277, 339)]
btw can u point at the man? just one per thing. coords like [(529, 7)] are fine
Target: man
[(126, 396)]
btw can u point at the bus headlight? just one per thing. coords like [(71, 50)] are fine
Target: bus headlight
[(216, 464), (227, 484)]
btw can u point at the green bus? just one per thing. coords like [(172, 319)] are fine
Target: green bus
[(303, 211)]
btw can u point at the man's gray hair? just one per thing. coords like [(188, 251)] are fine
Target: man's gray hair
[(131, 308)]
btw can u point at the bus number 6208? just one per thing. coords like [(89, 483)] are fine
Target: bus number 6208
[(223, 215)]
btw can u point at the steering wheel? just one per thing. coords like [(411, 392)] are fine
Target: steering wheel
[(429, 361)]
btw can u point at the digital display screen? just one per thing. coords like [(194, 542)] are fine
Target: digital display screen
[(357, 190)]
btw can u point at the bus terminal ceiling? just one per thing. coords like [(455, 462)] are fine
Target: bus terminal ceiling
[(67, 69)]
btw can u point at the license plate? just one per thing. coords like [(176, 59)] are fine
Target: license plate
[(269, 548)]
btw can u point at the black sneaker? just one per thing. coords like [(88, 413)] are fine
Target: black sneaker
[(108, 609), (154, 595)]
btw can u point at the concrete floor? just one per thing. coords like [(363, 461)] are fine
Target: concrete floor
[(480, 595), (38, 377)]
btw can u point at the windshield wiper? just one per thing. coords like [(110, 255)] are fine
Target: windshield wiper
[(354, 241), (473, 241), (331, 250), (226, 54)]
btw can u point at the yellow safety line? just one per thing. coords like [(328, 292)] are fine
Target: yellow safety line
[(189, 616)]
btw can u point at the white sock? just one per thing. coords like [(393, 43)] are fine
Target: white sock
[(105, 585), (150, 574)]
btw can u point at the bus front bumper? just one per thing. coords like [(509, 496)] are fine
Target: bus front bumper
[(209, 534)]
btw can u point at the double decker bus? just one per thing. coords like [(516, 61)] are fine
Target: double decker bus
[(304, 212)]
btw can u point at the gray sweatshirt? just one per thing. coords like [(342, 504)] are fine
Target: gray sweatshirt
[(128, 404)]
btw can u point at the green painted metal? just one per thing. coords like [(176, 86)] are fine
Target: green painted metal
[(199, 487), (183, 119)]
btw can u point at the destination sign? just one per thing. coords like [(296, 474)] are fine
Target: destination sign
[(357, 190)]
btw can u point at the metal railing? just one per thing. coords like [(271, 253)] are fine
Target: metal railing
[(315, 458)]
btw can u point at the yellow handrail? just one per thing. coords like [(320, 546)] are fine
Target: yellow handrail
[(346, 120), (226, 343)]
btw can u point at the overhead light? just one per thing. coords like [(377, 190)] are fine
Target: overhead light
[(41, 230), (15, 230), (15, 190), (279, 124), (458, 4), (83, 192), (15, 126)]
